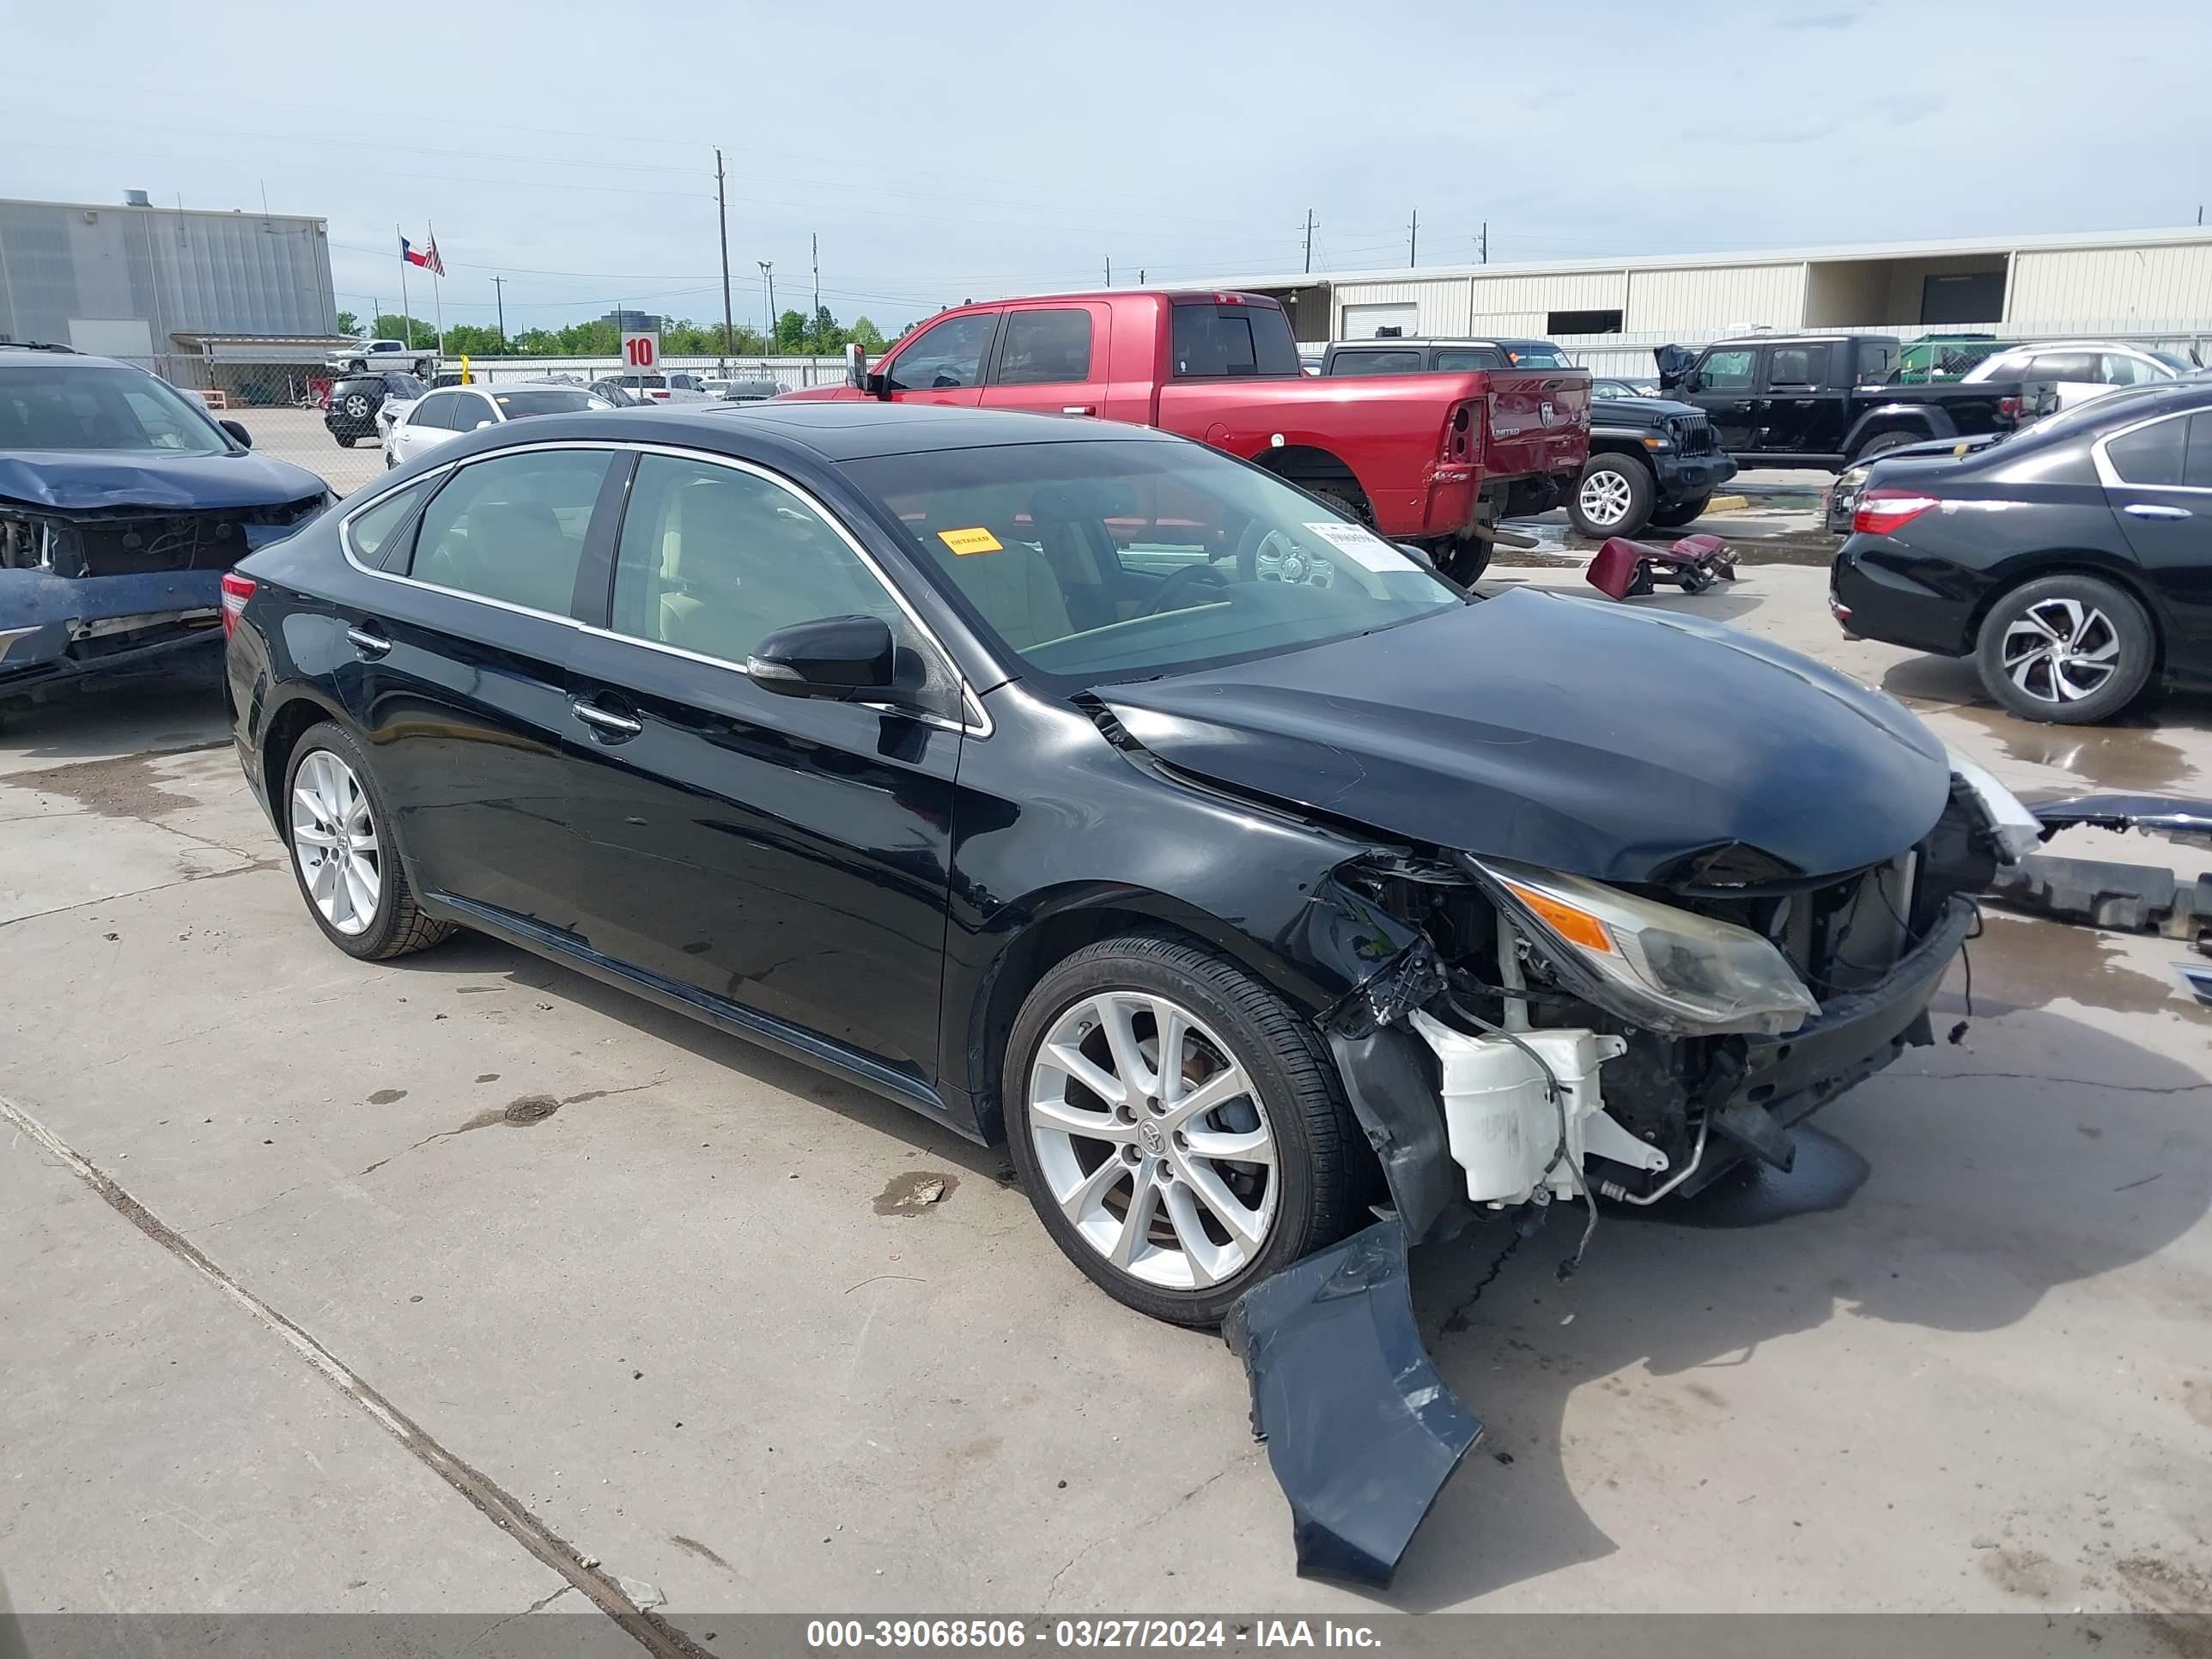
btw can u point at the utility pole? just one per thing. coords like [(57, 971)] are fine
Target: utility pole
[(767, 279), (1482, 244), (1110, 271), (1309, 240), (814, 246), (722, 218), (1414, 242), (499, 287)]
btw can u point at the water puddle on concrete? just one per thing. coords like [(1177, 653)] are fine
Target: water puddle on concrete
[(2128, 755), (2020, 963)]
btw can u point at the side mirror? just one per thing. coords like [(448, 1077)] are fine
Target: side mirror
[(856, 366), (1418, 554), (480, 426), (840, 658), (237, 429)]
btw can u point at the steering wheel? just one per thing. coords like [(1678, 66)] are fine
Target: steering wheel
[(1173, 588)]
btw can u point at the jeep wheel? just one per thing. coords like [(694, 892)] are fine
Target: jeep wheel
[(1681, 513), (1880, 444), (1613, 498)]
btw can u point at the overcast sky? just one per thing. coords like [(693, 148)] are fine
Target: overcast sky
[(956, 151)]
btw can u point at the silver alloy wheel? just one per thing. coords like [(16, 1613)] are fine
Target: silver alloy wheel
[(2061, 650), (357, 406), (1154, 1142), (334, 842), (1604, 497)]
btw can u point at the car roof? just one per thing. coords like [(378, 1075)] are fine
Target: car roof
[(37, 358), (826, 431), (1803, 339), (2010, 348)]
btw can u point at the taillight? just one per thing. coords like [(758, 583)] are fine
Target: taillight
[(2008, 408), (1885, 511), (1460, 431), (236, 590)]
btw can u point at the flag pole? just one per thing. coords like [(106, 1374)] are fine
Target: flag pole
[(438, 295), (406, 321)]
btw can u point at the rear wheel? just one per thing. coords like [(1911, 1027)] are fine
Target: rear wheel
[(1881, 444), (340, 835), (1613, 498), (2069, 648), (1681, 513), (1177, 1126)]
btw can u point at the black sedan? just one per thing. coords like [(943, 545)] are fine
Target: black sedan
[(2072, 561), (1081, 785)]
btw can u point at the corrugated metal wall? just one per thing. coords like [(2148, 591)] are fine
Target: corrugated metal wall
[(1523, 304), (190, 272), (1440, 302), (2095, 290), (1716, 297)]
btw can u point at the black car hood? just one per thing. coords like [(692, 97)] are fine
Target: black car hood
[(1637, 411), (1580, 736), (84, 481)]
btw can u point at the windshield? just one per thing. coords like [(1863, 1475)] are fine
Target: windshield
[(1127, 559), (2179, 365), (544, 401), (73, 407)]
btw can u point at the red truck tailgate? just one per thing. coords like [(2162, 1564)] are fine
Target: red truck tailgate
[(1538, 420)]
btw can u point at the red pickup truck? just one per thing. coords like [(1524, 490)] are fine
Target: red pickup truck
[(1435, 459)]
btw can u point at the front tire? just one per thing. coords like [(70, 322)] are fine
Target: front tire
[(339, 832), (1613, 498), (1175, 1183), (2074, 650)]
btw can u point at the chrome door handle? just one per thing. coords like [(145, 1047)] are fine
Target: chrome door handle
[(615, 725), (368, 643), (2151, 510), (1079, 409)]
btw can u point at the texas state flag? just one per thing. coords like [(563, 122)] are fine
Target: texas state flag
[(428, 258)]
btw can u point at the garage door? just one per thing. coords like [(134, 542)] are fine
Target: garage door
[(1386, 321)]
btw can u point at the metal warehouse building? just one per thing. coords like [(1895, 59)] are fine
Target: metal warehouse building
[(171, 288), (2148, 284)]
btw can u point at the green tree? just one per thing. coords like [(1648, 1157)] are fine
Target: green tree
[(866, 336), (473, 340), (347, 322), (418, 334), (791, 334)]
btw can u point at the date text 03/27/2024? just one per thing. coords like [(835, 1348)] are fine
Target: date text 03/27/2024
[(1011, 1635)]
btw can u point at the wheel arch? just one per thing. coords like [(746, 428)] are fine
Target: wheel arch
[(281, 731), (1923, 420), (1312, 467), (1055, 926)]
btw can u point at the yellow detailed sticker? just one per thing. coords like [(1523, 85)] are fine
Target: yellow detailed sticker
[(978, 540)]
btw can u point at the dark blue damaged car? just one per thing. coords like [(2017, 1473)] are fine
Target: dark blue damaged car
[(122, 503)]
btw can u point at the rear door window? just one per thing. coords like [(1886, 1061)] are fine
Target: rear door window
[(1212, 342), (2197, 467), (1797, 368), (945, 355), (369, 531), (511, 528), (1877, 358), (1045, 348), (2154, 456), (2076, 366)]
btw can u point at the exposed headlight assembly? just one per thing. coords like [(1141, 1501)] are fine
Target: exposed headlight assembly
[(1658, 967)]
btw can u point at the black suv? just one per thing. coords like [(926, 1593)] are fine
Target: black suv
[(355, 400), (1652, 460)]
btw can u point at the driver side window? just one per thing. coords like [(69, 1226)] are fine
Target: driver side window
[(945, 355), (1727, 371)]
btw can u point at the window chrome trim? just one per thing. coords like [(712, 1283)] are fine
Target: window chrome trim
[(980, 723), (2109, 475)]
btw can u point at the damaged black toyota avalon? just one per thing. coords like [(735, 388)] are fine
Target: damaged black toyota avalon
[(1083, 785)]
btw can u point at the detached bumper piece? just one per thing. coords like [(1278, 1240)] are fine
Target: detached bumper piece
[(1361, 1432), (2133, 898), (1624, 569)]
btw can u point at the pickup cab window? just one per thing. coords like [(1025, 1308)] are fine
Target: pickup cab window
[(946, 354), (1458, 361), (1045, 348), (1378, 362), (1876, 360), (1218, 342), (1728, 371)]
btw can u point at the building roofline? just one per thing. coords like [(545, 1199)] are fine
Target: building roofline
[(156, 207), (1994, 246)]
